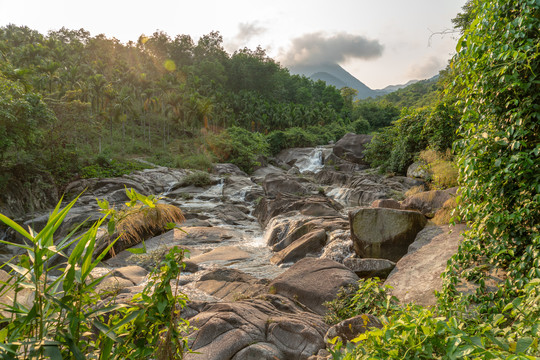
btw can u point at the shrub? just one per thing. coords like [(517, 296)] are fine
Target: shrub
[(360, 126), (197, 178), (238, 146), (369, 297)]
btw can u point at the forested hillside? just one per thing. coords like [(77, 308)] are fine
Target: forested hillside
[(77, 105)]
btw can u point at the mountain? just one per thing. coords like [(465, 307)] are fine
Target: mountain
[(335, 75)]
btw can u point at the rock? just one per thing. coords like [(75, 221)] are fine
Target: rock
[(314, 205), (113, 285), (428, 202), (221, 254), (270, 328), (349, 329), (227, 169), (339, 246), (366, 268), (133, 273), (275, 184), (351, 147), (330, 176), (333, 162), (386, 203), (418, 274), (418, 170), (310, 243), (242, 189), (230, 284), (259, 175), (384, 233), (312, 282), (283, 230)]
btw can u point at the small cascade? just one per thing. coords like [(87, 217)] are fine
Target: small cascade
[(313, 162), (215, 191)]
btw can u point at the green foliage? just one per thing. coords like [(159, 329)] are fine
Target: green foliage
[(415, 332), (105, 167), (377, 113), (197, 178), (498, 155), (66, 318), (238, 146), (369, 297), (394, 148), (361, 126)]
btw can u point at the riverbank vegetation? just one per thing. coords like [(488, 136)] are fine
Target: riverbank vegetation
[(497, 150)]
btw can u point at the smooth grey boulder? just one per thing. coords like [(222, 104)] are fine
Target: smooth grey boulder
[(384, 233), (314, 205), (230, 284), (418, 274), (366, 268), (313, 281), (274, 184), (268, 327), (351, 147)]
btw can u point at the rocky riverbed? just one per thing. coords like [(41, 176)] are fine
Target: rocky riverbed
[(267, 250)]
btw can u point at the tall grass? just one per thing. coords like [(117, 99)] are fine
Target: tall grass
[(67, 319)]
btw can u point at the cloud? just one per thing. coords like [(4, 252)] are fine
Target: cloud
[(318, 48), (246, 31), (426, 69)]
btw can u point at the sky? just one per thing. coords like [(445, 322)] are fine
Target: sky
[(380, 42)]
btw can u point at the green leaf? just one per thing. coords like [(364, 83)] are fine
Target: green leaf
[(523, 344), (136, 250), (12, 224)]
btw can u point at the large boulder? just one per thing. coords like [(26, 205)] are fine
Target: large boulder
[(351, 147), (310, 243), (266, 328), (313, 281), (384, 233), (275, 184), (285, 229), (428, 202), (314, 205), (418, 274), (230, 284)]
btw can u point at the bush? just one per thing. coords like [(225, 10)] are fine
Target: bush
[(198, 178), (369, 297), (238, 146), (360, 126)]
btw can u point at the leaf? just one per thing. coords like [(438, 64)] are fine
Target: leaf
[(12, 224), (136, 250), (523, 344)]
